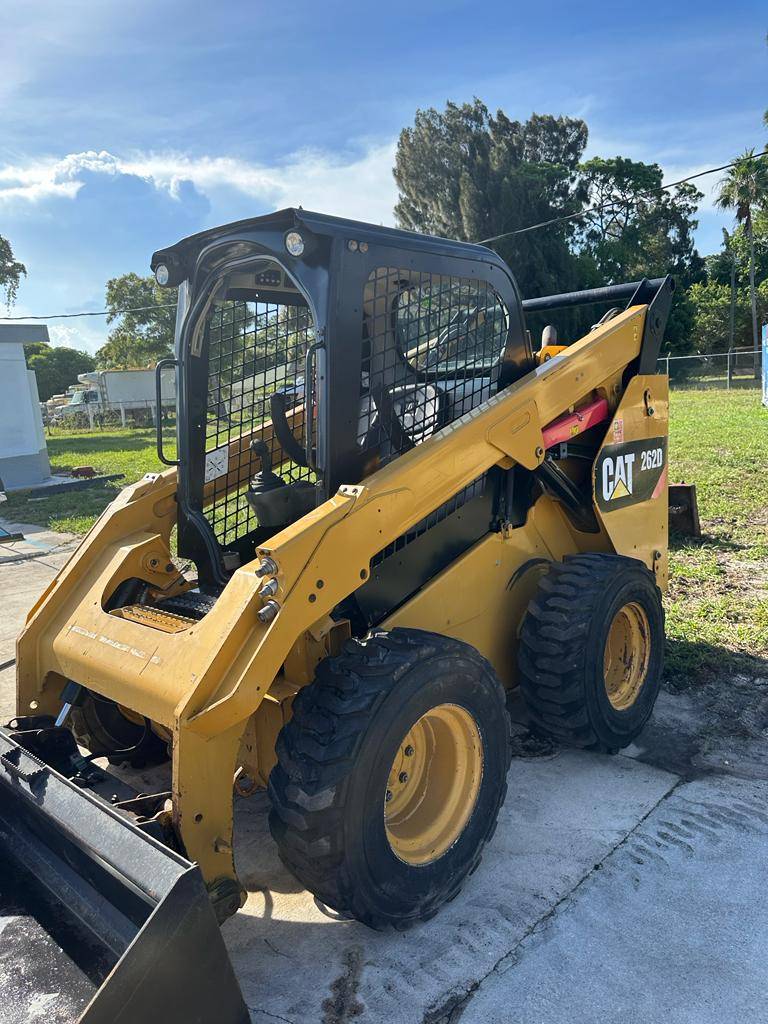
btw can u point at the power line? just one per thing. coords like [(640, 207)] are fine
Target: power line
[(99, 312), (608, 206), (484, 241)]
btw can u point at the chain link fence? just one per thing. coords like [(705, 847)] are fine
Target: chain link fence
[(98, 416), (738, 368)]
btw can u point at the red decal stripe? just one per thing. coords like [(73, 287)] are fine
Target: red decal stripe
[(573, 423), (660, 485)]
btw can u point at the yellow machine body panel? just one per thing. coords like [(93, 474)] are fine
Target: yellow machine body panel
[(631, 478), (204, 681), (482, 596)]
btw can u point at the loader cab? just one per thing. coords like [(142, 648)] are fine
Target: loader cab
[(313, 350)]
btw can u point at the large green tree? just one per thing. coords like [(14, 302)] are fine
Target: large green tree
[(56, 368), (637, 230), (144, 334), (744, 190), (11, 272), (737, 251), (711, 302), (465, 173)]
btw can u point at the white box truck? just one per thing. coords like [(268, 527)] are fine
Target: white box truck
[(128, 393)]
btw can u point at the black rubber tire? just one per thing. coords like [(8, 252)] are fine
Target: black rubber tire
[(191, 604), (334, 755), (562, 643), (101, 727)]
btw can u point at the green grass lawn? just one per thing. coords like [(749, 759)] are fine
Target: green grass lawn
[(128, 451), (717, 606)]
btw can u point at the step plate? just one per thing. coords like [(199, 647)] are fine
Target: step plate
[(156, 618)]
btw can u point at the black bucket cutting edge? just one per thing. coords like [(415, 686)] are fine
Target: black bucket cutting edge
[(143, 905)]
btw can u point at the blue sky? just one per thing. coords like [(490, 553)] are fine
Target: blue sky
[(126, 126)]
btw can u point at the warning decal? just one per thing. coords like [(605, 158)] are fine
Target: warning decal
[(216, 463)]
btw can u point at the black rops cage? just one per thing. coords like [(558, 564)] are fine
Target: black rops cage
[(256, 356), (303, 373)]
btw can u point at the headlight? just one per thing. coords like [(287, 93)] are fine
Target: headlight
[(294, 243), (169, 271)]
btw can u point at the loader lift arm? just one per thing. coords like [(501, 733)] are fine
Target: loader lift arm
[(361, 519)]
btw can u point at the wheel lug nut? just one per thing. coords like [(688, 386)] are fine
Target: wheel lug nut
[(408, 751), (403, 776), (388, 796)]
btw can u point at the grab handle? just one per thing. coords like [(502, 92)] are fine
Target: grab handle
[(309, 403), (161, 365)]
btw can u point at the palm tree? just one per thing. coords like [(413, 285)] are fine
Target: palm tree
[(745, 187)]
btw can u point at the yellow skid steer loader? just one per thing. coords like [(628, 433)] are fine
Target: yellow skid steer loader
[(384, 510)]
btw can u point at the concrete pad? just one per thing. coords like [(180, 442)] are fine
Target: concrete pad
[(39, 485), (297, 962), (22, 580), (38, 542), (7, 692), (671, 928)]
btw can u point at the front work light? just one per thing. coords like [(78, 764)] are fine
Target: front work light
[(294, 243), (169, 270)]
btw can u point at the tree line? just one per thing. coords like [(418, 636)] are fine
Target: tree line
[(466, 173)]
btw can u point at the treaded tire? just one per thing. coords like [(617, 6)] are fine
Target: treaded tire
[(101, 727), (191, 604), (562, 643), (334, 756)]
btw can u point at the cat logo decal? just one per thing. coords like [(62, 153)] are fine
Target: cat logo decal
[(617, 476), (628, 473)]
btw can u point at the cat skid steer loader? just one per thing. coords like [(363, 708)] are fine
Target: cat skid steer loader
[(388, 510)]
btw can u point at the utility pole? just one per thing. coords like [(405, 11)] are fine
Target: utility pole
[(732, 318), (732, 255), (753, 299)]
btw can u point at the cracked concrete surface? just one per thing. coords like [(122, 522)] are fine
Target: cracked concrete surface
[(562, 816), (620, 888), (672, 927)]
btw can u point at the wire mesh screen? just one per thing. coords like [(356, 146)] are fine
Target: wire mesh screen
[(432, 352), (255, 349)]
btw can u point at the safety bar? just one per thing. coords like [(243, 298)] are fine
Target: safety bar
[(608, 293)]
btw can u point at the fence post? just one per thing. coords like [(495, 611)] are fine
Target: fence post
[(667, 364), (90, 416), (729, 371), (122, 415)]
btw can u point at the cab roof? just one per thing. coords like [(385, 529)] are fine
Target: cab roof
[(187, 249)]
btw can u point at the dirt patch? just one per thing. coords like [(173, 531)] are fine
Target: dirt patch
[(343, 1004), (721, 727)]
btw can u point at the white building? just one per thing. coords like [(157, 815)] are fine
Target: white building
[(23, 451)]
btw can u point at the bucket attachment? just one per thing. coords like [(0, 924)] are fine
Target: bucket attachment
[(684, 510), (100, 921)]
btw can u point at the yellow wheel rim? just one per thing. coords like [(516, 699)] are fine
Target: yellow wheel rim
[(433, 785), (627, 653)]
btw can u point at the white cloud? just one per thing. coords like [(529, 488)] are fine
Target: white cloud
[(35, 182), (358, 186)]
